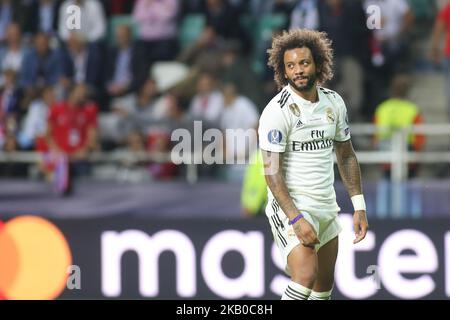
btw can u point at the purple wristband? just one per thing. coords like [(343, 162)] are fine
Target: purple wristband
[(298, 217)]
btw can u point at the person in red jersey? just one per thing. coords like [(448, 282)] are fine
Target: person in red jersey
[(71, 136)]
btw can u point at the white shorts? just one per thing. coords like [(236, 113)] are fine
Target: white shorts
[(326, 225)]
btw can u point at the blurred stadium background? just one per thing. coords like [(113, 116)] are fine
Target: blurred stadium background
[(91, 206)]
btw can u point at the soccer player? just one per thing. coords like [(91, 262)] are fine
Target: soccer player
[(298, 130)]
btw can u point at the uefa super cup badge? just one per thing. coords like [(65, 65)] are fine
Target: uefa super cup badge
[(275, 136)]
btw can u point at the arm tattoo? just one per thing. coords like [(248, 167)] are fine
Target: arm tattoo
[(348, 167), (275, 182)]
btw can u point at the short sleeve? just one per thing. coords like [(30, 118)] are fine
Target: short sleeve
[(342, 126), (273, 129)]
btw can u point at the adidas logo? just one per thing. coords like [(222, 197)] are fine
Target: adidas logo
[(299, 124)]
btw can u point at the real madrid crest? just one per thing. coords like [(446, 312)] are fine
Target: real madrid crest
[(294, 109), (330, 115)]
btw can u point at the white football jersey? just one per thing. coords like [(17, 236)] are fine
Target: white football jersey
[(305, 132)]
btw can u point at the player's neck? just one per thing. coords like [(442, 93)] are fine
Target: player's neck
[(310, 95)]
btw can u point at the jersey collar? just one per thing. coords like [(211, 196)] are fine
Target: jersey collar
[(302, 101)]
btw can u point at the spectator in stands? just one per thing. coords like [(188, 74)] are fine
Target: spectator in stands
[(177, 116), (149, 132), (81, 62), (192, 7), (206, 52), (121, 7), (442, 27), (236, 68), (146, 129), (133, 168), (159, 133), (41, 66), (10, 111), (157, 24), (148, 107), (397, 113), (240, 117), (9, 10), (267, 74), (208, 103), (218, 14), (93, 20), (424, 12), (345, 23), (39, 16), (136, 142), (258, 8), (34, 126), (72, 124), (121, 64), (397, 19), (71, 136), (393, 38), (305, 15), (11, 56), (158, 142), (133, 112)]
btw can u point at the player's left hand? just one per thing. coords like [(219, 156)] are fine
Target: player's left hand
[(360, 225)]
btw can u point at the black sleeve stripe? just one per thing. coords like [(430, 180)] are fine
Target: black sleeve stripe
[(283, 99), (283, 94)]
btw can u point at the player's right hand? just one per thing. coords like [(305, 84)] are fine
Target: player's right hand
[(305, 233)]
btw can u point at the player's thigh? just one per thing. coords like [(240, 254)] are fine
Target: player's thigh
[(303, 265), (326, 257)]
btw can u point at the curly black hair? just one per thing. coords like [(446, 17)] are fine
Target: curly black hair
[(316, 41)]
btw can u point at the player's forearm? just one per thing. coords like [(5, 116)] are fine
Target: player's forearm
[(273, 162), (350, 173), (279, 190)]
